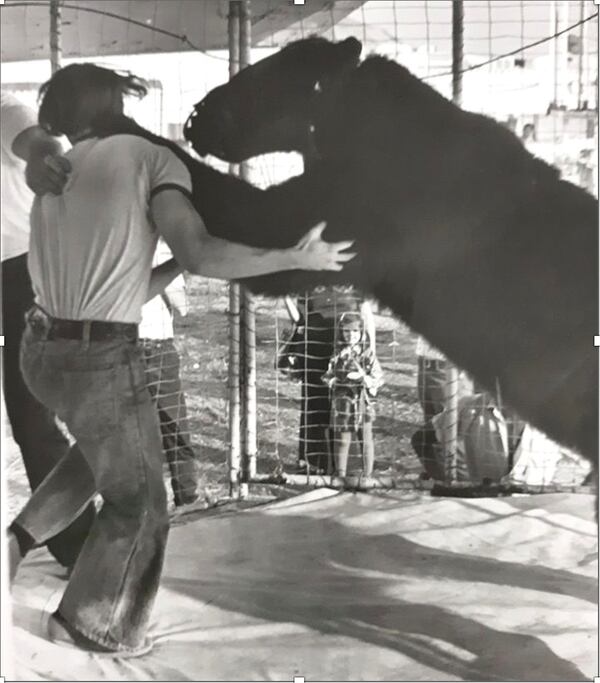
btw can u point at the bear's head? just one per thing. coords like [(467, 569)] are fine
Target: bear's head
[(267, 107)]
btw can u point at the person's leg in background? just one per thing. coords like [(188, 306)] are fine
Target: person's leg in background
[(180, 456), (164, 383), (368, 447), (431, 379), (41, 442), (342, 429), (315, 440), (342, 441)]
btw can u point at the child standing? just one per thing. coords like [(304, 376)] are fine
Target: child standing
[(353, 377)]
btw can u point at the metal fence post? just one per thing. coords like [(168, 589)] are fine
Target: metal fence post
[(450, 431), (233, 383)]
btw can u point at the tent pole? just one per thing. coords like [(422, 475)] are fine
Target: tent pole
[(55, 35)]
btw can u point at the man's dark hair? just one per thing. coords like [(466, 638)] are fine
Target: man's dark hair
[(86, 96)]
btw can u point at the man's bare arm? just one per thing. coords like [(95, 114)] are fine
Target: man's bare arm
[(162, 276), (203, 254)]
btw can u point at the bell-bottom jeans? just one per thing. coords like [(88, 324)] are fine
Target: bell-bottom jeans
[(98, 388)]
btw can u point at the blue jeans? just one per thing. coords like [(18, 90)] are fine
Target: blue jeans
[(99, 390)]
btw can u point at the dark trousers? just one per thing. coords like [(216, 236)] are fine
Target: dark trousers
[(164, 384), (431, 379), (41, 442), (315, 410), (431, 382)]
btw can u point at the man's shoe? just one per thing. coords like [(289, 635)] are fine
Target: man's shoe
[(62, 633)]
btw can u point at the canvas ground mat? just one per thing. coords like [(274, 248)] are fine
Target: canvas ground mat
[(343, 586)]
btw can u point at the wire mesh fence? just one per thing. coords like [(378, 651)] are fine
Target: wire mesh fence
[(531, 65), (329, 395), (301, 415)]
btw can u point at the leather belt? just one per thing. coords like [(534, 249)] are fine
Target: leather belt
[(92, 330)]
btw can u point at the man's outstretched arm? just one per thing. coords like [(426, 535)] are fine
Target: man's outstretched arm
[(201, 253)]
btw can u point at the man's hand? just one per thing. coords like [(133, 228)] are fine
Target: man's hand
[(47, 170), (201, 253), (315, 254), (48, 173)]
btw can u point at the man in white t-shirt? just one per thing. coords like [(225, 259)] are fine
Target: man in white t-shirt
[(164, 382), (90, 261), (34, 429)]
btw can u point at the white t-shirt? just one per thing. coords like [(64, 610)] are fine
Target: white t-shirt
[(16, 196), (157, 321), (91, 247)]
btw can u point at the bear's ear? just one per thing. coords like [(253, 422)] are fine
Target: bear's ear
[(342, 57), (349, 50)]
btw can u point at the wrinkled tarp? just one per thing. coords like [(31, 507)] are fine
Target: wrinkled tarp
[(342, 586)]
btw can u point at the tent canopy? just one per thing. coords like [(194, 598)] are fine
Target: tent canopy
[(117, 27)]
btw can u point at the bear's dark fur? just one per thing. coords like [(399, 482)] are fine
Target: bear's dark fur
[(475, 243)]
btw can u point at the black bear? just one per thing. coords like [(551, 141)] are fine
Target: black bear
[(475, 243)]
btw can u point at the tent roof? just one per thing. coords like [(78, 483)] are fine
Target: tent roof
[(115, 27)]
